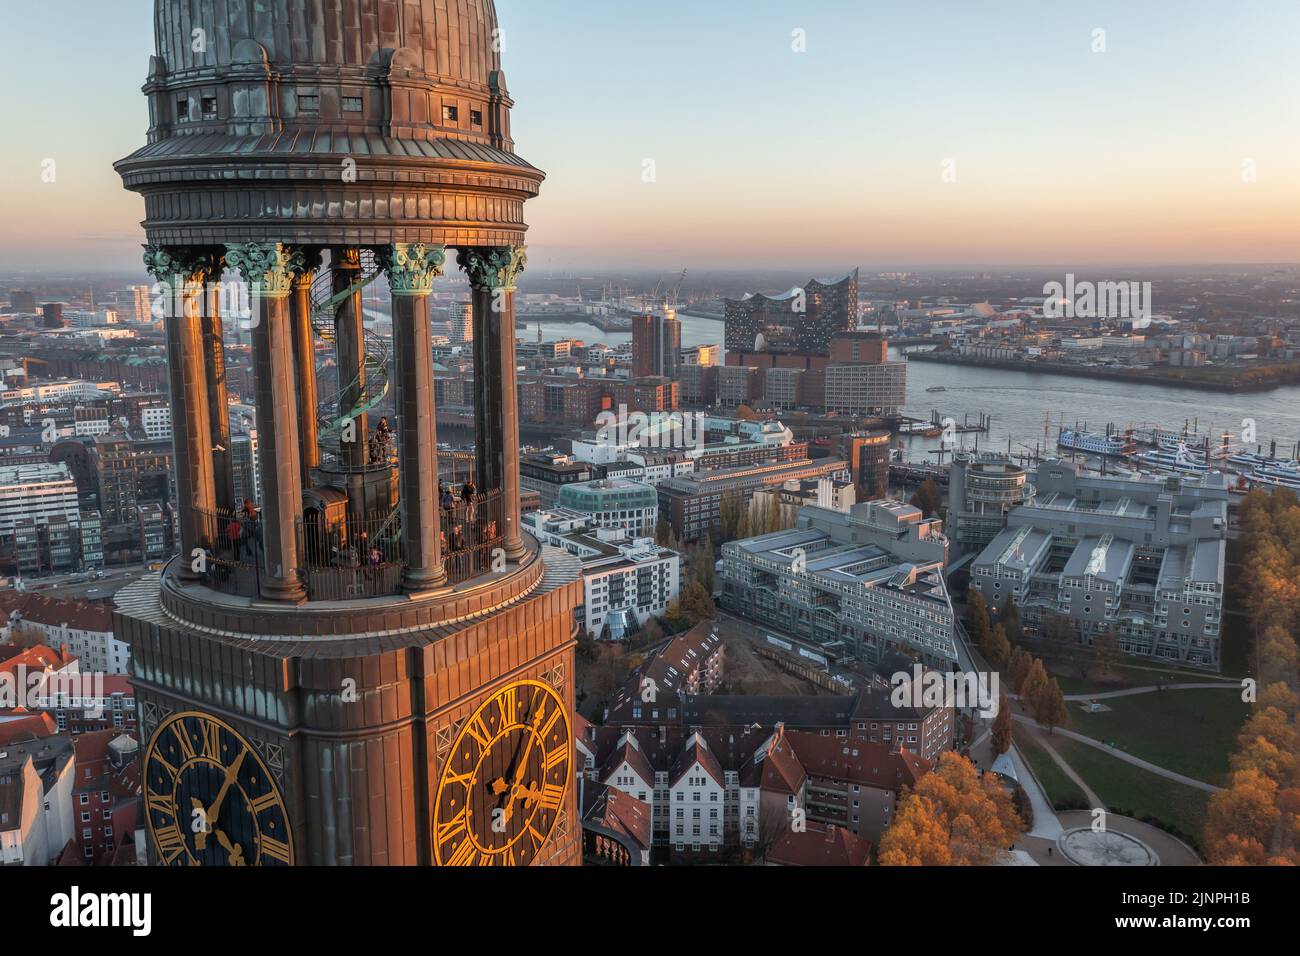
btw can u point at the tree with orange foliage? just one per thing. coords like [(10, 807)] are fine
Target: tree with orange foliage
[(1255, 819), (1049, 707), (1242, 820), (954, 817)]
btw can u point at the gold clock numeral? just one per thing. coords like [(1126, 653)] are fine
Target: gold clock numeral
[(187, 748), (557, 756), (167, 767), (464, 855), (263, 803), (479, 731), (462, 779), (556, 714), (211, 734), (507, 706), (537, 836), (273, 848), (452, 828), (551, 798), (171, 843), (159, 803)]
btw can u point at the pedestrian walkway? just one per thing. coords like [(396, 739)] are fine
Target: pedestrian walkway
[(1126, 757), (1134, 691), (1088, 793)]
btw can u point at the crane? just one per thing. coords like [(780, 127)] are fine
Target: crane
[(678, 290)]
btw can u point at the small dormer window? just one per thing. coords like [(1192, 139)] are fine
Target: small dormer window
[(352, 104), (209, 107), (476, 117), (308, 102), (182, 109), (450, 114)]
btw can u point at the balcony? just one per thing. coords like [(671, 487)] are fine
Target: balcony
[(349, 560)]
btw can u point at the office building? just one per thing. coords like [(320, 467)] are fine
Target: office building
[(1142, 558), (863, 584)]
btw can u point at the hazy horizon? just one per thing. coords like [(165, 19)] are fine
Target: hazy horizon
[(769, 159)]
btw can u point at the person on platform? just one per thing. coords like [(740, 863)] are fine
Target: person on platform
[(467, 493)]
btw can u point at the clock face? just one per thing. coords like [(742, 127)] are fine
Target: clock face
[(209, 799), (505, 780)]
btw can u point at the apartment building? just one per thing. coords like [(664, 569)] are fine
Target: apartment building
[(693, 503), (1141, 557), (626, 580), (864, 583)]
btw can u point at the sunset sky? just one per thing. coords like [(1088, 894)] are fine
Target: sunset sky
[(764, 156)]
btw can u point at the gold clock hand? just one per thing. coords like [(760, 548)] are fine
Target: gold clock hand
[(231, 773), (200, 837), (235, 851)]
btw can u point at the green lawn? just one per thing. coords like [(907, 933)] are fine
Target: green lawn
[(1134, 792), (1187, 731), (1062, 792)]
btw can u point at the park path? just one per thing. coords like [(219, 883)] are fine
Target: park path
[(1119, 755), (1094, 801), (1133, 691)]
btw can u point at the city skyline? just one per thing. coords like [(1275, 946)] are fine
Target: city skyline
[(961, 138)]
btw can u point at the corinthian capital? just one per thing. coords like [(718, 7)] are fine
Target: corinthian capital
[(493, 268), (269, 267), (412, 266), (191, 265)]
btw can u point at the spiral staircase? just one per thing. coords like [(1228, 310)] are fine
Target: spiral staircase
[(335, 412)]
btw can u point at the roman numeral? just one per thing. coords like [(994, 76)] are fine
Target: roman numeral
[(266, 801), (537, 837), (552, 797), (557, 756), (171, 843), (556, 714), (465, 855), (462, 779), (507, 705), (273, 848), (158, 758), (479, 731), (211, 740), (159, 803), (452, 828), (187, 748)]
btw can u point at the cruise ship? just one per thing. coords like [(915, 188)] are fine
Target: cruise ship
[(1163, 438), (1248, 459), (1277, 476), (1112, 446), (1180, 460)]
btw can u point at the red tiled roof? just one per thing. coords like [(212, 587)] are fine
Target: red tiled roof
[(696, 752), (37, 658), (622, 813), (782, 771), (26, 727), (117, 684), (631, 753), (820, 846), (873, 765), (76, 614)]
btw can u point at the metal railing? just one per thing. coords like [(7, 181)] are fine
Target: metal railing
[(472, 531), (232, 546), (356, 559)]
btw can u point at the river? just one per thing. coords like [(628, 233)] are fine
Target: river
[(1021, 401)]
